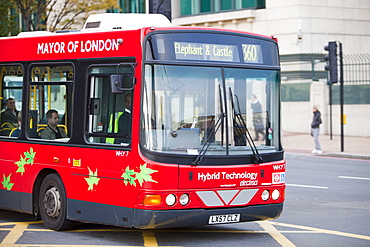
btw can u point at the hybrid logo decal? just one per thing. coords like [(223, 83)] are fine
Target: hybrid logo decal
[(249, 178)]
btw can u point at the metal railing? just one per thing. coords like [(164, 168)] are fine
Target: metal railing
[(307, 67)]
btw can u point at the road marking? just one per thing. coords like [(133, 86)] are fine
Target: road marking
[(318, 230), (68, 245), (361, 178), (18, 228), (15, 233), (308, 186), (149, 239), (280, 238)]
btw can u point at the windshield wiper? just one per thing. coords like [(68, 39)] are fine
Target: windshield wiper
[(210, 135), (213, 131), (239, 121)]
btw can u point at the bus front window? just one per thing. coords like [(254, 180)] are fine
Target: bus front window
[(180, 106), (186, 108)]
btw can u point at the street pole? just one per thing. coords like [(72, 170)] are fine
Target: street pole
[(330, 113), (341, 98)]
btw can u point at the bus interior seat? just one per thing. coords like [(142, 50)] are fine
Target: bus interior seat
[(11, 132), (41, 127), (6, 128)]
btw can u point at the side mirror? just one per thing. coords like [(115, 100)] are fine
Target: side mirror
[(122, 82)]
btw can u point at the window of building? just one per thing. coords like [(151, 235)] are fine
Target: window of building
[(186, 7), (226, 4), (295, 92), (258, 4), (205, 6), (194, 7), (129, 6)]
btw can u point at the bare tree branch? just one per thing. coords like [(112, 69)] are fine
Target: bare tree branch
[(56, 14)]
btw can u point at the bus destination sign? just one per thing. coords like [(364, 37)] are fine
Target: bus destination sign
[(206, 52), (252, 53)]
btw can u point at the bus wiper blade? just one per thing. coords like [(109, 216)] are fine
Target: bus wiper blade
[(257, 157), (207, 143), (238, 120)]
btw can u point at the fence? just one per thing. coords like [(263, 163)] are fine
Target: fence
[(311, 67), (298, 71)]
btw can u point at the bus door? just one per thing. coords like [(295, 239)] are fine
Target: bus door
[(111, 94)]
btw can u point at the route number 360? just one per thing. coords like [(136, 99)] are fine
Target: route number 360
[(250, 53)]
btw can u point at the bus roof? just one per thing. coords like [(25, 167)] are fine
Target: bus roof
[(119, 35), (119, 21)]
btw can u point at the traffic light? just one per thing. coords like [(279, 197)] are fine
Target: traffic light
[(331, 59), (161, 7)]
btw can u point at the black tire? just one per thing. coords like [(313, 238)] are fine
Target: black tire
[(53, 204)]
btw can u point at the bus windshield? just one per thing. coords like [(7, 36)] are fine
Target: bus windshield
[(229, 109)]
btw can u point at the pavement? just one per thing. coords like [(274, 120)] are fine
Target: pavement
[(354, 146)]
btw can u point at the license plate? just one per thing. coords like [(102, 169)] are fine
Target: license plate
[(225, 218)]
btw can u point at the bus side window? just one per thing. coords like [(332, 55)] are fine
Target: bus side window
[(11, 82), (110, 108), (50, 102)]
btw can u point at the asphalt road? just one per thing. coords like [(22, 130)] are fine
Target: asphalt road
[(327, 204)]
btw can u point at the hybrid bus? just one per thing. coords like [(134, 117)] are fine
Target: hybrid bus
[(167, 126)]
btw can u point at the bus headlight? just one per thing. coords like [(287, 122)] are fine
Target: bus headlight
[(275, 194), (265, 195), (184, 199), (171, 199)]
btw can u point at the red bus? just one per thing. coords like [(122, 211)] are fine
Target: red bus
[(136, 123)]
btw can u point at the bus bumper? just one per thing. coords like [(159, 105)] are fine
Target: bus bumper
[(150, 219)]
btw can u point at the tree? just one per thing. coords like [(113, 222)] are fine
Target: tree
[(8, 23), (33, 13), (54, 15), (66, 14)]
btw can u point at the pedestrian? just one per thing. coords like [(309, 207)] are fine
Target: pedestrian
[(315, 130)]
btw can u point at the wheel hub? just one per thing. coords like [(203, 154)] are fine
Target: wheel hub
[(52, 202)]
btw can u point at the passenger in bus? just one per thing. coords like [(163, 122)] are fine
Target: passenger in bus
[(10, 115), (52, 130), (16, 132), (124, 122)]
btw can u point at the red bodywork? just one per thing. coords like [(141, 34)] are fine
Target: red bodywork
[(77, 164)]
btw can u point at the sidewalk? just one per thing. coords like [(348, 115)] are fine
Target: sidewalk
[(354, 147)]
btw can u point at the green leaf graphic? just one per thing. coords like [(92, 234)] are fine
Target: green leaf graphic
[(6, 182), (30, 156), (129, 176), (144, 174), (28, 159), (21, 163), (92, 179)]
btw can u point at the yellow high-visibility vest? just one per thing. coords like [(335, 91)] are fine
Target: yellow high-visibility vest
[(110, 127)]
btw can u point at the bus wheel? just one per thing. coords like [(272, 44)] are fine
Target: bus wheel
[(53, 204)]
